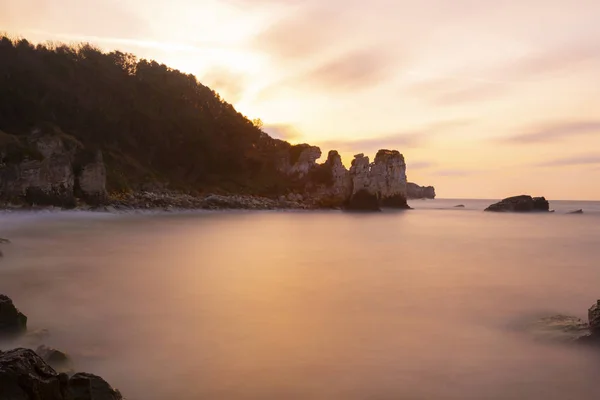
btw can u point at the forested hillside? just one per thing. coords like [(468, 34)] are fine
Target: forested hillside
[(155, 125)]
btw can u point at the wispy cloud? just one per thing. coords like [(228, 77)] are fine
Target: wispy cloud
[(456, 172), (554, 132), (398, 141), (586, 159), (421, 164)]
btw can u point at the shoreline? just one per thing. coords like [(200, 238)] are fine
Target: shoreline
[(178, 202)]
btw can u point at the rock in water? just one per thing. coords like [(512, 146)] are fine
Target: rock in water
[(25, 376), (576, 212), (523, 203), (459, 206), (12, 321), (83, 386), (414, 191), (2, 240), (55, 358)]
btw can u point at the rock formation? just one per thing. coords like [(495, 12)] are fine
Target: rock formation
[(366, 186), (58, 360), (521, 203), (40, 168), (301, 159), (90, 177), (12, 321), (25, 376), (414, 191), (580, 211)]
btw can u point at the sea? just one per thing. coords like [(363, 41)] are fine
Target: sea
[(428, 303)]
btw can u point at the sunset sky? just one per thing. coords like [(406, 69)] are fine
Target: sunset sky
[(484, 98)]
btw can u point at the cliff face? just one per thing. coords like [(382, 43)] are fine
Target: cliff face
[(415, 191), (365, 186), (40, 168)]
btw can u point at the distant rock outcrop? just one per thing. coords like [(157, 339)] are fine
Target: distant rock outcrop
[(414, 191), (576, 212), (366, 186), (378, 184), (40, 168), (523, 203)]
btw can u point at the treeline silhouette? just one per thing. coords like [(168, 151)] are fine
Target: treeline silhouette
[(153, 123)]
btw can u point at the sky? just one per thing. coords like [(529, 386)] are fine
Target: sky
[(485, 99)]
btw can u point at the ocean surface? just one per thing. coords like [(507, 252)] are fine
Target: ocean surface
[(420, 304)]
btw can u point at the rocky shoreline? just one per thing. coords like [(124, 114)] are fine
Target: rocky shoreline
[(43, 374)]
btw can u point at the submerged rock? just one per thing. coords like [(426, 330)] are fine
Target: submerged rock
[(576, 212), (25, 376), (12, 321), (523, 203), (6, 241), (459, 206)]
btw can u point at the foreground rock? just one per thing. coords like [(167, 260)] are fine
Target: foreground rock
[(523, 203), (58, 360), (25, 376), (12, 321)]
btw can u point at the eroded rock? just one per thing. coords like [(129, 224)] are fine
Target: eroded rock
[(414, 191)]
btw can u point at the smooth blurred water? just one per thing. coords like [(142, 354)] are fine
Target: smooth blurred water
[(420, 304)]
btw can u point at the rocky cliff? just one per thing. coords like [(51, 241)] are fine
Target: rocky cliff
[(49, 167), (366, 186), (415, 191)]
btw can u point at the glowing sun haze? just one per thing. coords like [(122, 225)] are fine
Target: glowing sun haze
[(484, 98)]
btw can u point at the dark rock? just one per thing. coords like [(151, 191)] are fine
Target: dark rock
[(363, 200), (25, 376), (2, 240), (576, 212), (521, 203), (12, 321), (55, 358), (395, 201), (459, 206), (83, 386)]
